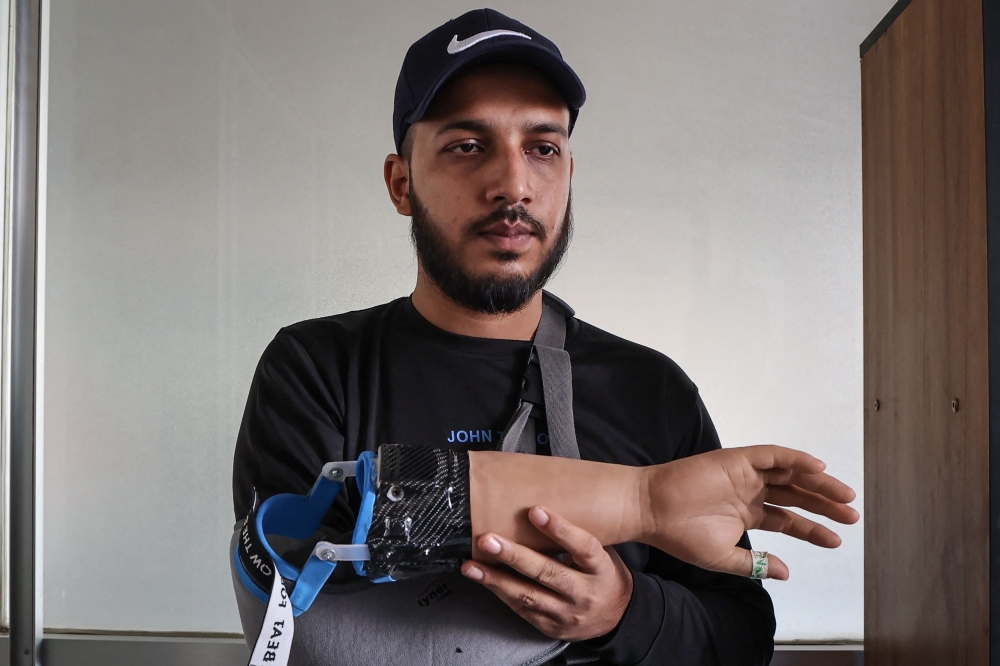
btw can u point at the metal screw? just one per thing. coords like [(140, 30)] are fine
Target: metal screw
[(877, 404), (327, 555), (407, 524), (395, 493), (336, 473), (954, 405)]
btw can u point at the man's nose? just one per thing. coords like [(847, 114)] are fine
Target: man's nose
[(510, 179)]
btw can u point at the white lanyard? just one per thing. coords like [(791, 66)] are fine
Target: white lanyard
[(275, 640)]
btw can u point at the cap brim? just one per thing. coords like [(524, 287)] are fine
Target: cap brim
[(564, 78)]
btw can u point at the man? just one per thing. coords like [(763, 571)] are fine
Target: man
[(484, 111)]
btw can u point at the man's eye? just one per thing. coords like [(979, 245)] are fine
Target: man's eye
[(547, 151), (465, 148)]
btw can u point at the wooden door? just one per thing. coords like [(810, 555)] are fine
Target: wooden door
[(927, 399)]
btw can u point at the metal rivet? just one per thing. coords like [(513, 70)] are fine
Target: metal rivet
[(954, 405), (327, 555), (877, 404), (395, 493)]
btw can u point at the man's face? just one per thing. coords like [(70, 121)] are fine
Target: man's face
[(489, 187)]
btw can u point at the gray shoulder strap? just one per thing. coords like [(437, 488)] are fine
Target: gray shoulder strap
[(551, 329), (557, 391), (557, 385)]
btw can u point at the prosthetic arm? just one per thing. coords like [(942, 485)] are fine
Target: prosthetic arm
[(696, 508), (423, 508)]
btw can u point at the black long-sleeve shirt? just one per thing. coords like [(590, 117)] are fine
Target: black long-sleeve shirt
[(327, 389)]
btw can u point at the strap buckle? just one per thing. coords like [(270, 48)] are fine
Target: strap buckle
[(531, 386)]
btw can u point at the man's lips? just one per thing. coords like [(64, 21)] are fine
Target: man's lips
[(508, 230), (508, 237)]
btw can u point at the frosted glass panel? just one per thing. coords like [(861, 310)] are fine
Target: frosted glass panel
[(215, 173), (203, 193)]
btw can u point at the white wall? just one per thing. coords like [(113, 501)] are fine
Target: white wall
[(215, 173)]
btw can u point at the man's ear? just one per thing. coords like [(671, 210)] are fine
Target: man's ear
[(396, 171)]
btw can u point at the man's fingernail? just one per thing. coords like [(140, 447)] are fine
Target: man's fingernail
[(474, 572), (539, 516), (491, 546)]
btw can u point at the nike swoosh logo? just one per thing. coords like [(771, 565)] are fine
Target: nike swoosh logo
[(457, 46)]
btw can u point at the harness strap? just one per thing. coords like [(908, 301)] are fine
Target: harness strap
[(557, 383), (557, 388)]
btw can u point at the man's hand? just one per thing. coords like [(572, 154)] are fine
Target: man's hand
[(700, 506), (584, 596)]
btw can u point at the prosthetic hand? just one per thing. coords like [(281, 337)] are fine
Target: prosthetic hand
[(700, 506), (695, 509), (433, 504)]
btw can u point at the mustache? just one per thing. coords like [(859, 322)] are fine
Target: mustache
[(508, 214)]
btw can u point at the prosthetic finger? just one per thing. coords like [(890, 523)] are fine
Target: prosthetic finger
[(778, 477), (774, 567), (812, 502), (825, 485), (743, 562), (768, 456), (788, 522)]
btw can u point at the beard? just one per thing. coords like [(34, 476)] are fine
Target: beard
[(492, 293)]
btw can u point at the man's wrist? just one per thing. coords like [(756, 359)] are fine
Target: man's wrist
[(625, 598), (633, 636)]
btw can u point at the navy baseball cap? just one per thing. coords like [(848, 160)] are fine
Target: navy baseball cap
[(477, 37)]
